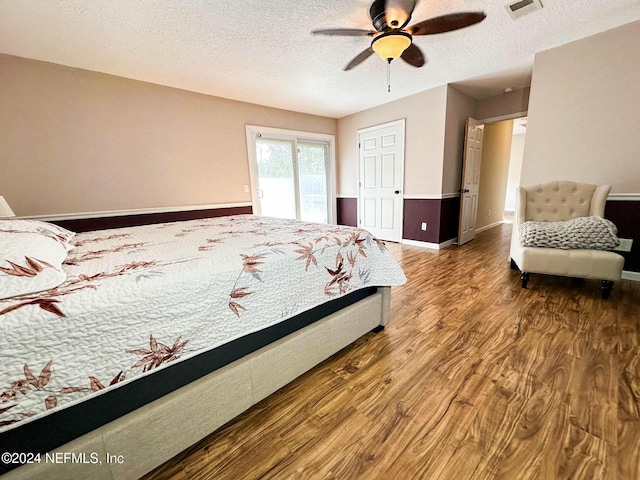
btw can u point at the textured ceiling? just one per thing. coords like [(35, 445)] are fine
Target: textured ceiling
[(261, 51)]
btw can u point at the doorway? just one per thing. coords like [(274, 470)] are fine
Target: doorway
[(502, 150), (515, 166), (292, 174)]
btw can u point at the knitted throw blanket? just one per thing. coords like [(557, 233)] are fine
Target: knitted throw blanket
[(583, 232)]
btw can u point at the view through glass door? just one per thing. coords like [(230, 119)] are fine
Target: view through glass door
[(292, 178)]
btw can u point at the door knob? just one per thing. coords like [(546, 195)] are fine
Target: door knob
[(397, 192)]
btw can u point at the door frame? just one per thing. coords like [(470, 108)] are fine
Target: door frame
[(252, 131), (360, 131)]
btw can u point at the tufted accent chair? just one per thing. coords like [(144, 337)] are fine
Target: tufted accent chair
[(560, 201)]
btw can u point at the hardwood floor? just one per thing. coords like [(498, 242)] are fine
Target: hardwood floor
[(474, 378)]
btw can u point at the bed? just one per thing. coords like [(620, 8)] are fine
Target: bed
[(154, 336)]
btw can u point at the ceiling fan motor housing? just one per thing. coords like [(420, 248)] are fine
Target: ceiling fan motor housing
[(377, 13)]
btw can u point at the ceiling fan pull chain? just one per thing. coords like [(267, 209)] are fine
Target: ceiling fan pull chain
[(389, 75)]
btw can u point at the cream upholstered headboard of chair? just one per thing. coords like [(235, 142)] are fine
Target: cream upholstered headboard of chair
[(561, 200)]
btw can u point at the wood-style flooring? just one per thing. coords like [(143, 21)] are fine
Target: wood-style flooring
[(474, 378)]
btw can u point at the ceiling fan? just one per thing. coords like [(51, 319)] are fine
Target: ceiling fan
[(392, 38)]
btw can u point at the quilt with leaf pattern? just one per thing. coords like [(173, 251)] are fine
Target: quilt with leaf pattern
[(141, 298)]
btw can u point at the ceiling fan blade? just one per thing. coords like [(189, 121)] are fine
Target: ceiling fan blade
[(446, 23), (361, 57), (398, 12), (348, 32), (413, 56)]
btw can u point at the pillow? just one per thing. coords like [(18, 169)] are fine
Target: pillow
[(30, 262), (60, 234)]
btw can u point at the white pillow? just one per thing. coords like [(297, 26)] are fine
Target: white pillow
[(55, 232), (30, 262)]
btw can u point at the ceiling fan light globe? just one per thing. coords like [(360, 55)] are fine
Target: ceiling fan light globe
[(390, 45)]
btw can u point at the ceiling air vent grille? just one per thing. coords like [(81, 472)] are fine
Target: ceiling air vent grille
[(521, 8)]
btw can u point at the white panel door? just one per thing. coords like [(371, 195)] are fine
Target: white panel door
[(381, 151), (471, 163)]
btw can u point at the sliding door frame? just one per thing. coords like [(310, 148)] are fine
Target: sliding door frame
[(253, 131)]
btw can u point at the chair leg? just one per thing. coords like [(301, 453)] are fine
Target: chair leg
[(514, 266), (607, 286), (525, 279)]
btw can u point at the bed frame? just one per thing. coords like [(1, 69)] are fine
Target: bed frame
[(153, 434), (149, 436)]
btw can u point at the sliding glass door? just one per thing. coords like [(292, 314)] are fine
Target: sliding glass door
[(291, 177), (312, 181), (276, 178)]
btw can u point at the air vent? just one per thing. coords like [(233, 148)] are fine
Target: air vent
[(522, 7)]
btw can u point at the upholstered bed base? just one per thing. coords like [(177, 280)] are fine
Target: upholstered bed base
[(149, 436)]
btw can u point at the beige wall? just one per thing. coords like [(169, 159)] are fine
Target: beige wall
[(459, 108), (503, 104), (515, 168), (78, 141), (496, 153), (583, 112), (424, 142), (435, 121)]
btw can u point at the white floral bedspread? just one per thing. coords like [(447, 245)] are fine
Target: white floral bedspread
[(137, 299)]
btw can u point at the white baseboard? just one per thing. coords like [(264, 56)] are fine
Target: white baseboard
[(634, 276), (487, 227), (432, 246), (448, 243)]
